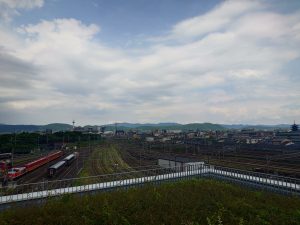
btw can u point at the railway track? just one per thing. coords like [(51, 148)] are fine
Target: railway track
[(242, 159), (131, 156)]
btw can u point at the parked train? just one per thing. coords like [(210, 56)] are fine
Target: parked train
[(16, 172), (55, 169)]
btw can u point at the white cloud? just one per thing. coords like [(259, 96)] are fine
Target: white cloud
[(223, 66), (25, 4), (213, 21), (10, 8)]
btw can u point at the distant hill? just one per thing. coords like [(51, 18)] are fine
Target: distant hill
[(135, 125), (57, 126), (256, 127), (5, 128)]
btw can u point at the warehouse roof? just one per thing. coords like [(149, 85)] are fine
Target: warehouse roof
[(177, 159)]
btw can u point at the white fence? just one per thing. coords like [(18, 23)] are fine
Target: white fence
[(42, 190)]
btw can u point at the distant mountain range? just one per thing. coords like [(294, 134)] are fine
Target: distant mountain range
[(4, 128), (256, 127), (136, 125)]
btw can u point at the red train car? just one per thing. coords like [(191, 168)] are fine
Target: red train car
[(42, 161)]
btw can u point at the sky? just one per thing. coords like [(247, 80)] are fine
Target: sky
[(106, 61)]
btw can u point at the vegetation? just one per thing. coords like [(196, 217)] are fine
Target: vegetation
[(108, 160), (187, 202), (105, 159), (28, 142), (4, 128)]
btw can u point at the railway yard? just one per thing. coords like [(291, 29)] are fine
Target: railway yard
[(285, 163), (113, 156)]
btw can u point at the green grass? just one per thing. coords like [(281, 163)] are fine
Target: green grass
[(187, 202), (104, 159)]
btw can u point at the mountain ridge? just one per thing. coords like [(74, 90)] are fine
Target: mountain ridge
[(9, 128)]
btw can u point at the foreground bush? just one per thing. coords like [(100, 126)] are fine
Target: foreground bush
[(188, 202)]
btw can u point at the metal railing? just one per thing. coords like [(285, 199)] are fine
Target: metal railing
[(261, 180), (15, 193)]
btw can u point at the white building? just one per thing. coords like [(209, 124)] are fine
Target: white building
[(179, 163), (149, 139)]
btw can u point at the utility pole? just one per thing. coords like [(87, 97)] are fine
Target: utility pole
[(141, 153), (79, 141), (268, 163), (38, 143), (13, 150), (90, 143)]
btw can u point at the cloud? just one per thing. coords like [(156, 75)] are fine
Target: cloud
[(215, 20), (10, 8), (229, 65), (16, 73)]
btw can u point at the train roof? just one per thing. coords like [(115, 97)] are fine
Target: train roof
[(16, 169), (42, 158), (177, 159), (35, 161), (57, 165), (69, 157)]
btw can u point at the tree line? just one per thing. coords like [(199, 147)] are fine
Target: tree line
[(24, 143)]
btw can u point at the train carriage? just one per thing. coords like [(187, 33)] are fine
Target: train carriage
[(41, 161), (70, 158), (56, 168)]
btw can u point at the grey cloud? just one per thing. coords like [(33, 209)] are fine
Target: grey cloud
[(73, 88), (16, 73), (13, 98)]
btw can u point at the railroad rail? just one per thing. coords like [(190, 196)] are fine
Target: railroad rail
[(37, 191)]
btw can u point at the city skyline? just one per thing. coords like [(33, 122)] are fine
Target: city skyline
[(100, 62)]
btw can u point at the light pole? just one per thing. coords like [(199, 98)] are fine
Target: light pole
[(13, 150), (90, 143), (38, 144), (141, 154)]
